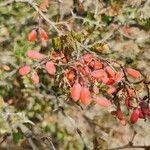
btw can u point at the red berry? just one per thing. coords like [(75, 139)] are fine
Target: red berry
[(76, 91), (128, 102), (43, 34), (34, 54), (110, 81), (110, 71), (85, 96), (70, 75), (35, 78), (50, 67), (32, 36), (111, 90), (118, 76), (119, 114), (134, 73), (24, 70), (102, 101), (87, 57), (135, 116), (97, 65), (99, 73)]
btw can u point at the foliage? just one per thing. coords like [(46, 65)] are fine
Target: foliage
[(61, 62)]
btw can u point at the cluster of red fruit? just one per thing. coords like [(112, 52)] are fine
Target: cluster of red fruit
[(91, 71), (141, 111), (48, 65), (87, 77), (34, 34)]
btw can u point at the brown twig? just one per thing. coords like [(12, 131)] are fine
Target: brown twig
[(130, 145), (34, 5)]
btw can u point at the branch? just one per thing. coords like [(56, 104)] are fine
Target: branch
[(130, 146), (108, 36), (97, 24), (33, 5)]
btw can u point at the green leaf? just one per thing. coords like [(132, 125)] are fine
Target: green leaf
[(17, 136)]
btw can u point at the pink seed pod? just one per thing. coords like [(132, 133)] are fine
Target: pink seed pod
[(24, 70), (50, 68)]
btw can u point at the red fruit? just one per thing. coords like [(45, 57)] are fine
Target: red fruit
[(134, 73), (110, 81), (111, 90), (118, 76), (97, 65), (105, 79), (144, 107), (127, 102), (88, 57), (50, 67), (123, 122), (70, 75), (75, 91), (135, 116), (43, 34), (85, 96), (119, 114), (141, 114), (32, 36), (102, 101), (35, 78), (99, 73), (24, 70), (34, 54), (110, 71)]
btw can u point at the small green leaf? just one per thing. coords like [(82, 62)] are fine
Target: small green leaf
[(17, 136)]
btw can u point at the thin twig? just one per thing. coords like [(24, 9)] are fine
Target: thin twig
[(129, 146), (33, 5)]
